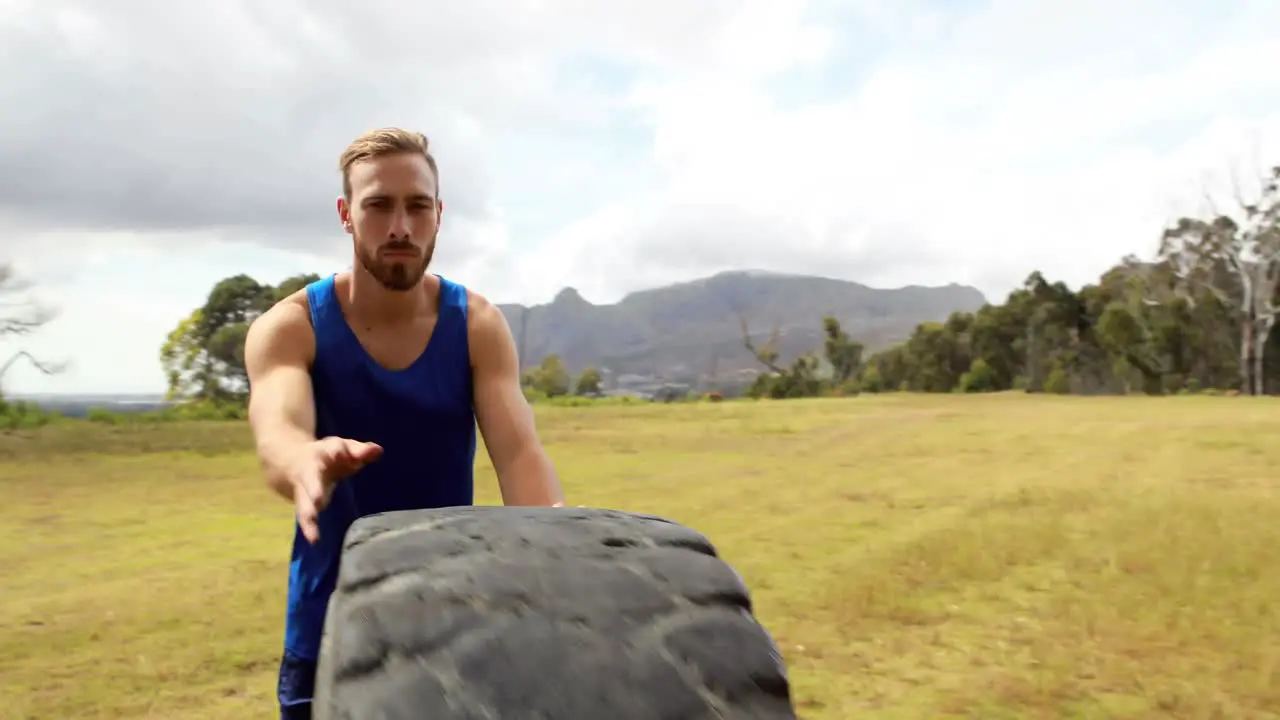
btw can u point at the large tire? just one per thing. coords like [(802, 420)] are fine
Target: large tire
[(501, 613)]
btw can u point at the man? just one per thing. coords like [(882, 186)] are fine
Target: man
[(367, 386)]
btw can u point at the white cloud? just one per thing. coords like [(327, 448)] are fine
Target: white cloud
[(1021, 135), (612, 146)]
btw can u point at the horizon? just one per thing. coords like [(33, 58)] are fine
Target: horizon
[(159, 395), (150, 395)]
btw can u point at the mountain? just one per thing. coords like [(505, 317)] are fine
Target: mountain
[(692, 330)]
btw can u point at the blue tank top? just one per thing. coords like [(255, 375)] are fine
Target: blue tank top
[(422, 417)]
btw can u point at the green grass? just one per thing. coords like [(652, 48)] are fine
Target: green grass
[(915, 557)]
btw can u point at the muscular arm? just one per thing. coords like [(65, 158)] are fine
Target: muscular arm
[(277, 352), (525, 474)]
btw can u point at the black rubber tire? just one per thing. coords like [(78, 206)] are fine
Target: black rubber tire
[(507, 613)]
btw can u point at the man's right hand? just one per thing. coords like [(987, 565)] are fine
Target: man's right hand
[(320, 467)]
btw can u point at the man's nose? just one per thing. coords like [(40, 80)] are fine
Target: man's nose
[(399, 225)]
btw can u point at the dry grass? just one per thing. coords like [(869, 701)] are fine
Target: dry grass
[(915, 557)]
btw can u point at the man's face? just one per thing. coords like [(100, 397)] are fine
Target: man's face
[(393, 216)]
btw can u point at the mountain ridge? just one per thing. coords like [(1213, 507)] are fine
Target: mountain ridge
[(691, 331)]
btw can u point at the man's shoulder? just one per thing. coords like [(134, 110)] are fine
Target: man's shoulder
[(285, 324), (481, 312), (290, 310), (488, 333)]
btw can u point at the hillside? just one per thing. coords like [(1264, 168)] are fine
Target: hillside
[(692, 331)]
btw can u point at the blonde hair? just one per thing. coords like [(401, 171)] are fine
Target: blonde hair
[(383, 142)]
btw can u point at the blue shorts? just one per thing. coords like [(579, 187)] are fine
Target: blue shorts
[(296, 686)]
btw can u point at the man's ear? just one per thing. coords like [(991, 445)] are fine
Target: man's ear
[(344, 213)]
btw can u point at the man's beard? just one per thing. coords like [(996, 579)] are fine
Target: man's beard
[(399, 274)]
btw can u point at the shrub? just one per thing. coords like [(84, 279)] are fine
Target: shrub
[(980, 378), (102, 415), (24, 416), (872, 381), (1057, 382)]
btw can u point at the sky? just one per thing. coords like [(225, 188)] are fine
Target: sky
[(149, 148)]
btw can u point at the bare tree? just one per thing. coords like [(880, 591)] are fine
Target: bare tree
[(767, 354), (20, 316), (45, 367), (1236, 260)]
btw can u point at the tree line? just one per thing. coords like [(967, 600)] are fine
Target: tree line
[(1197, 316)]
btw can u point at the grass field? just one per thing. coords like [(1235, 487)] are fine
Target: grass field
[(915, 557)]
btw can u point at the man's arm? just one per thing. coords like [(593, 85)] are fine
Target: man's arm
[(277, 353), (525, 474)]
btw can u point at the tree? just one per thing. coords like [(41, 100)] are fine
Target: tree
[(203, 357), (797, 381), (550, 378), (980, 378), (766, 354), (44, 367), (290, 285), (588, 382), (1237, 260), (871, 380), (844, 354), (232, 304), (186, 364), (20, 316), (809, 374)]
